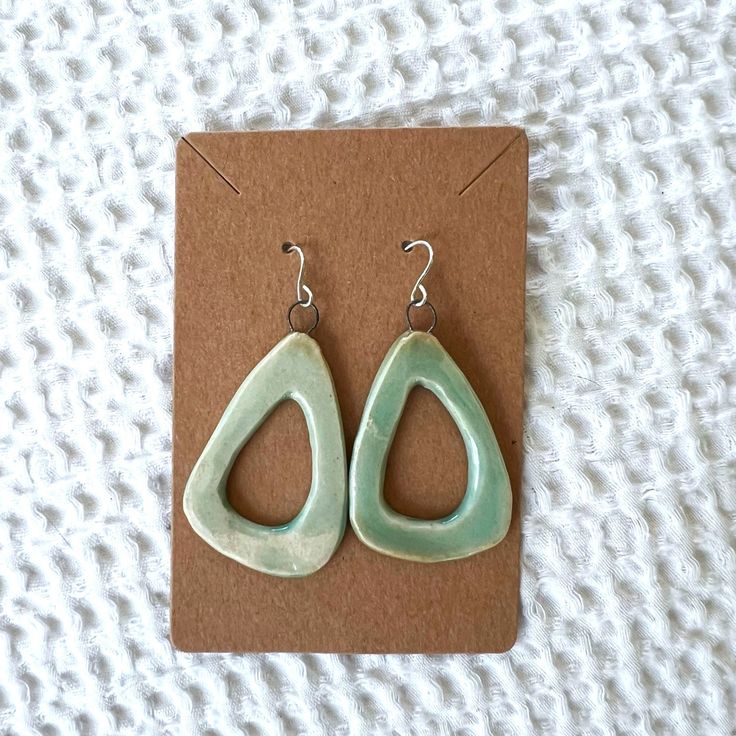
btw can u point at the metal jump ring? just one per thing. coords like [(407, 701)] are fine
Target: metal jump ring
[(311, 306), (415, 303)]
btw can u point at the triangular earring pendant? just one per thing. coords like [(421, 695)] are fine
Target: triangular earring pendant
[(483, 517), (294, 369)]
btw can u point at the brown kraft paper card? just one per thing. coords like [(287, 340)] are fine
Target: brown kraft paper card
[(350, 197)]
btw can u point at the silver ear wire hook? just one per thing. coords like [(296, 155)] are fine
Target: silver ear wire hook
[(419, 295), (300, 285), (408, 246), (304, 296)]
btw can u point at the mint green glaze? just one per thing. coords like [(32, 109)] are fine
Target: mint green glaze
[(295, 369), (483, 517)]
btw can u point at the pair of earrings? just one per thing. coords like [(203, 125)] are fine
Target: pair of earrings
[(296, 369)]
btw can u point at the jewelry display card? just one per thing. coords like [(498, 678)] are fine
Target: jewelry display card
[(350, 198)]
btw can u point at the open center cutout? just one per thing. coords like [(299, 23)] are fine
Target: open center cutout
[(271, 477), (433, 487)]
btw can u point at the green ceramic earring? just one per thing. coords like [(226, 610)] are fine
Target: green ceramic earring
[(483, 517), (294, 369)]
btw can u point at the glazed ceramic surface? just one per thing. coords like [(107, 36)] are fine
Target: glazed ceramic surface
[(295, 369), (483, 517)]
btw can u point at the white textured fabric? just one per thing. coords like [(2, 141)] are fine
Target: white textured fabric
[(629, 571)]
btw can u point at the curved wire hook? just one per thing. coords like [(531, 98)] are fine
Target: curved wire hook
[(407, 246), (301, 287)]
